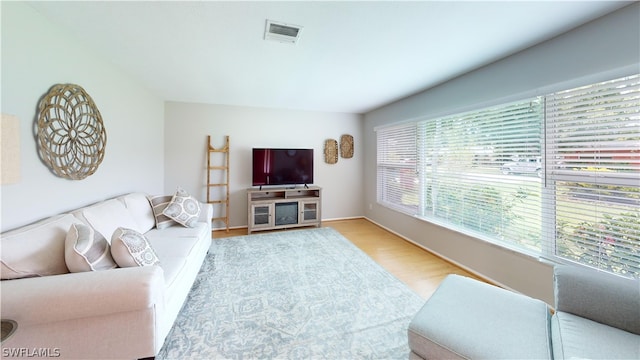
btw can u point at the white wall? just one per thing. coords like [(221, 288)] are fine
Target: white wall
[(603, 49), (187, 127), (37, 55)]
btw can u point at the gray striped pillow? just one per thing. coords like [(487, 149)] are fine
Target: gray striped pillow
[(158, 204), (87, 250)]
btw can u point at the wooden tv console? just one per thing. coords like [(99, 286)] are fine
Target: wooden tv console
[(282, 208)]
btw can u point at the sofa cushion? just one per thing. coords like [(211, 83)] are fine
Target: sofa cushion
[(183, 208), (140, 209), (166, 247), (158, 204), (105, 217), (583, 291), (173, 246), (87, 250), (575, 337), (469, 319), (177, 233), (130, 248), (36, 249)]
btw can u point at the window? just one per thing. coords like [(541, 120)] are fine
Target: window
[(593, 137), (556, 175), (397, 181)]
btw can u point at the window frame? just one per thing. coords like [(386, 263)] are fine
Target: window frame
[(548, 202)]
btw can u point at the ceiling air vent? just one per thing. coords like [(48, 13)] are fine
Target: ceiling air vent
[(282, 32)]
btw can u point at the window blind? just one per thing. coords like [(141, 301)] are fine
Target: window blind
[(396, 168), (481, 172), (556, 175), (593, 161)]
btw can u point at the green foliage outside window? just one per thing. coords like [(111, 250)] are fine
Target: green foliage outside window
[(482, 208), (608, 252)]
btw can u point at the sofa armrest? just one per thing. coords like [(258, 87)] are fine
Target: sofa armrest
[(206, 212), (598, 296), (80, 295)]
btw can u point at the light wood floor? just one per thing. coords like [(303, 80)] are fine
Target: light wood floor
[(419, 269)]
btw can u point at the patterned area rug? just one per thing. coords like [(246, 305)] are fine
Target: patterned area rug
[(301, 294)]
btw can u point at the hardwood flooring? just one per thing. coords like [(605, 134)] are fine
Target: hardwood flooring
[(421, 270)]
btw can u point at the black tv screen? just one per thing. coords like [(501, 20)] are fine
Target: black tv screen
[(282, 166)]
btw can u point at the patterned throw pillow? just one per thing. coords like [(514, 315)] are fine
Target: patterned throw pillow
[(158, 204), (183, 208), (129, 248), (87, 250)]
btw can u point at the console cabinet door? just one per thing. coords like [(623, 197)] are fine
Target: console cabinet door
[(309, 212), (261, 216)]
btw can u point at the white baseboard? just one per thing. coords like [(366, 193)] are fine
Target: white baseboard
[(345, 218)]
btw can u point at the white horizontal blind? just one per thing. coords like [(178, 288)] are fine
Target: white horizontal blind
[(573, 194), (481, 172), (396, 167), (593, 154)]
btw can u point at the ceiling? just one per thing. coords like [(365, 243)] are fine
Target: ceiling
[(352, 56)]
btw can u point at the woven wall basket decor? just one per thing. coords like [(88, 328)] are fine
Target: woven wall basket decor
[(346, 146), (71, 135), (331, 151)]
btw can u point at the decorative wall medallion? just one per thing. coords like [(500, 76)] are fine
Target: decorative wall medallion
[(330, 151), (71, 135), (346, 146)]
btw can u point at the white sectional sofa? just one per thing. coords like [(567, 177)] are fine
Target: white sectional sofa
[(121, 312)]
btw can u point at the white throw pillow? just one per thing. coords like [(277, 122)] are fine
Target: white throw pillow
[(129, 248), (87, 250), (183, 208)]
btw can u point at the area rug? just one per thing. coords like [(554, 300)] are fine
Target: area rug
[(301, 294)]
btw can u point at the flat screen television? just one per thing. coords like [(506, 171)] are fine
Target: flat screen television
[(282, 166)]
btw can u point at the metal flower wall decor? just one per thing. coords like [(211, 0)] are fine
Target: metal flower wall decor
[(71, 135)]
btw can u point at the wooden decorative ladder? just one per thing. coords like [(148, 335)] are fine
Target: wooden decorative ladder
[(220, 196)]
